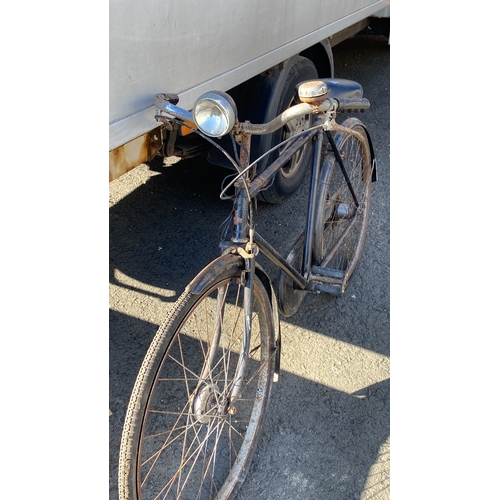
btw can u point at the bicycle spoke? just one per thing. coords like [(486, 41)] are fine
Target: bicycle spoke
[(191, 443), (343, 201)]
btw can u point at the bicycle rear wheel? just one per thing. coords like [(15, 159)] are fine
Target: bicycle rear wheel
[(340, 227), (181, 437)]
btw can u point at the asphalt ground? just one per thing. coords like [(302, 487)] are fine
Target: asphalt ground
[(328, 425)]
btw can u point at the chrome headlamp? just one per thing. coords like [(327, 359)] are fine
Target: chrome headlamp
[(215, 113)]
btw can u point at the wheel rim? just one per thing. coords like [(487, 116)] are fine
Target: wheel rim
[(193, 443), (339, 211), (289, 297)]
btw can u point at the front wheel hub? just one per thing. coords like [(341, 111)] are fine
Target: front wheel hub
[(206, 404)]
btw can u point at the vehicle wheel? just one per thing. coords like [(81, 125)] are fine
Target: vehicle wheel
[(335, 209), (181, 439), (290, 176)]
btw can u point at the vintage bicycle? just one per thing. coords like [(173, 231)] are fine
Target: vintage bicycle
[(198, 405)]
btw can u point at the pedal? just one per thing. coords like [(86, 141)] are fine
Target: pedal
[(321, 287), (328, 273), (327, 280)]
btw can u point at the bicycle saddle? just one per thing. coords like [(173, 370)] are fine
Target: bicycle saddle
[(312, 90)]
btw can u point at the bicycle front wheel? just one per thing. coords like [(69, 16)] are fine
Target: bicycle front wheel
[(182, 437), (340, 226)]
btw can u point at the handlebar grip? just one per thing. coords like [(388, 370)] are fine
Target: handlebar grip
[(352, 104), (167, 103), (162, 99)]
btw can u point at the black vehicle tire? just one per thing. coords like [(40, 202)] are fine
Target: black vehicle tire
[(180, 437), (290, 176), (335, 208)]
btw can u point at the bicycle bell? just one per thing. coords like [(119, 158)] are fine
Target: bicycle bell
[(313, 92)]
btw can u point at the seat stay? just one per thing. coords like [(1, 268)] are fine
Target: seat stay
[(338, 158)]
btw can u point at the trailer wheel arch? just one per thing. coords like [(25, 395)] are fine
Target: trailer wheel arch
[(322, 57)]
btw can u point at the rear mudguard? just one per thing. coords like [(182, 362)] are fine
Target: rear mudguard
[(350, 123), (211, 272)]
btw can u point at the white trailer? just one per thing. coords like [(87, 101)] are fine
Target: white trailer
[(256, 50)]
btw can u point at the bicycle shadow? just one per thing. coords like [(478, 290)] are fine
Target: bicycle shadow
[(178, 206), (322, 444)]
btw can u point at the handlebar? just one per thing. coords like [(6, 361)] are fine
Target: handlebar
[(289, 114), (168, 104)]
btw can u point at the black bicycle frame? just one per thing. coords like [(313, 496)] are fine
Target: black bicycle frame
[(246, 240), (241, 203)]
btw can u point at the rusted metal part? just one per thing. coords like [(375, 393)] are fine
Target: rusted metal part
[(169, 144), (241, 207), (244, 141), (296, 111), (335, 127), (313, 92), (244, 253), (133, 153), (236, 218), (240, 223)]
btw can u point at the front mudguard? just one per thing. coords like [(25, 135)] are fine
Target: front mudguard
[(276, 318), (210, 274)]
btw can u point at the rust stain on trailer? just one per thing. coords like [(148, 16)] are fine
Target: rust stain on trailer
[(133, 153)]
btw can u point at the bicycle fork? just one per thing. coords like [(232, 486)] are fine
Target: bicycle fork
[(247, 329), (235, 389), (242, 243), (243, 235)]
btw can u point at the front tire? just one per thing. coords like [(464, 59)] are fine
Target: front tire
[(181, 438)]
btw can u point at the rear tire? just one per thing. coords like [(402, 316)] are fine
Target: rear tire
[(335, 208), (181, 439)]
